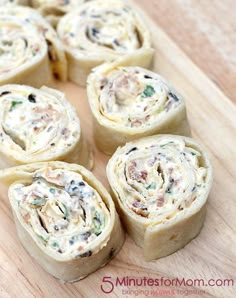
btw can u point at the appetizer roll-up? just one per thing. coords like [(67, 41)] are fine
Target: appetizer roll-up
[(39, 125), (161, 184), (64, 217), (130, 102), (53, 10), (100, 31), (30, 51)]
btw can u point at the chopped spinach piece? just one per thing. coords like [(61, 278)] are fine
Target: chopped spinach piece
[(43, 238), (152, 186), (52, 190), (98, 222), (39, 202), (14, 104), (148, 92), (55, 244)]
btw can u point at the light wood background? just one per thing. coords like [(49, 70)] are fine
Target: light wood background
[(184, 31)]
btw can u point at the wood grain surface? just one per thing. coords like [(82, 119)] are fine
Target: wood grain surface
[(201, 30)]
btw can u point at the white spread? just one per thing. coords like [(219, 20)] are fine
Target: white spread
[(159, 179), (62, 210), (100, 26), (135, 97), (35, 122)]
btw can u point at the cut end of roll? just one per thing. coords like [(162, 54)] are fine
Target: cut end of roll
[(64, 217), (161, 184)]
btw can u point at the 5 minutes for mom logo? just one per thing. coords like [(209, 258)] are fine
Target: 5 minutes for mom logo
[(108, 283)]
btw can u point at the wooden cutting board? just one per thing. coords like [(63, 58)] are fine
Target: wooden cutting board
[(212, 255)]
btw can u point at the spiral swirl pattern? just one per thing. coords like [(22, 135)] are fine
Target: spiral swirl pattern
[(30, 52), (160, 181), (100, 31), (64, 217), (39, 125), (128, 102)]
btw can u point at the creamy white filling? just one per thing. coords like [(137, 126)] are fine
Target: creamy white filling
[(20, 45), (63, 211), (158, 180), (98, 27), (135, 97), (34, 122)]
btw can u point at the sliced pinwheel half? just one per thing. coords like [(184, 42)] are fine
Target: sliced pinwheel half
[(65, 218), (39, 125), (161, 184), (100, 31)]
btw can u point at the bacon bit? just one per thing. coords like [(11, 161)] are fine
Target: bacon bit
[(26, 217), (65, 132), (160, 201), (80, 248), (139, 208), (135, 175), (132, 170), (136, 123), (144, 175), (151, 161), (137, 204), (36, 128)]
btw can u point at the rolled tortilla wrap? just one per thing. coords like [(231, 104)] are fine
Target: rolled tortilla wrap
[(30, 51), (160, 185), (65, 218), (101, 31), (129, 102), (39, 125)]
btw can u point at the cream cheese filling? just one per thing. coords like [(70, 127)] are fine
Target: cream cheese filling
[(135, 97), (34, 122), (63, 211), (19, 45), (158, 181), (99, 26)]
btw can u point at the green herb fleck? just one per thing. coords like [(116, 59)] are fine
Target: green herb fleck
[(39, 202), (55, 244), (52, 190), (163, 145), (152, 186), (43, 238), (193, 153), (99, 223), (66, 212), (14, 104), (148, 92)]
